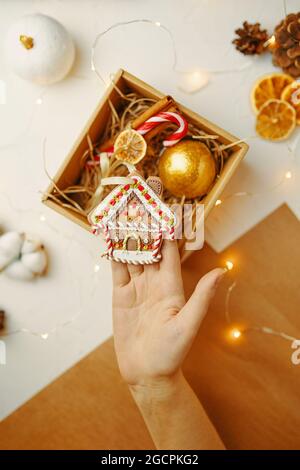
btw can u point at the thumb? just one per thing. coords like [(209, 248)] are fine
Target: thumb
[(195, 309)]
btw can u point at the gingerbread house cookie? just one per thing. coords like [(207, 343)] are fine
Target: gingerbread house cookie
[(134, 221)]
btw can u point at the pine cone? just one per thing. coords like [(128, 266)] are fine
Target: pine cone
[(251, 39), (287, 40)]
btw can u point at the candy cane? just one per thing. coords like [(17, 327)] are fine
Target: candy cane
[(95, 229), (156, 245), (166, 116), (108, 241), (172, 233), (151, 123)]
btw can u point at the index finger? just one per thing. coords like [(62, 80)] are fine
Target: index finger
[(120, 273), (170, 257)]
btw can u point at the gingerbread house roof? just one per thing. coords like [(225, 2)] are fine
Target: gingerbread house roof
[(115, 201)]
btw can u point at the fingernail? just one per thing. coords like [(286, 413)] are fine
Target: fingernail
[(220, 276)]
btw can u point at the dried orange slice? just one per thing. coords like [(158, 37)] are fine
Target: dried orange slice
[(269, 87), (291, 94), (276, 120), (130, 146)]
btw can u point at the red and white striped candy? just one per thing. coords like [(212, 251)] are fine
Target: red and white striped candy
[(108, 241), (156, 245), (166, 116), (172, 233), (95, 230)]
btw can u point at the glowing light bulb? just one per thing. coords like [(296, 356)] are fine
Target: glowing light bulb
[(229, 265), (42, 218), (271, 43), (288, 175), (218, 202), (235, 333), (157, 23), (96, 268), (44, 335), (191, 82), (272, 39), (39, 101)]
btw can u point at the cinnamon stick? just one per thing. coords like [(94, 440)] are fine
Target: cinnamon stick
[(158, 107), (162, 105)]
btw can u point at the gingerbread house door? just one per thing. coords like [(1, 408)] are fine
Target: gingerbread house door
[(132, 242)]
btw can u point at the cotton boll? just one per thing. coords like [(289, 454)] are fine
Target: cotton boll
[(36, 262), (30, 245), (22, 257), (4, 260), (11, 243), (17, 270)]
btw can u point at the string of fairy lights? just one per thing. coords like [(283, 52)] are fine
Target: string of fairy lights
[(288, 174), (190, 82), (234, 332)]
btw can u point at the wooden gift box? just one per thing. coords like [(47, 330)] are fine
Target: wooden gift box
[(69, 172)]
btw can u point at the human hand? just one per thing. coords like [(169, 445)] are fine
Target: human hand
[(154, 327)]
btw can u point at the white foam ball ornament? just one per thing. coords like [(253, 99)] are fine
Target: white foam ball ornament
[(22, 257), (40, 49)]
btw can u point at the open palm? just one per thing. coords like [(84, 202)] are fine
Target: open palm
[(154, 327)]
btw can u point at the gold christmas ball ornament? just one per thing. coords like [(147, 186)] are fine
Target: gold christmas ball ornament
[(187, 169)]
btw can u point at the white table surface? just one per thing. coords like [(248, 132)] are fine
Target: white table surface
[(203, 31)]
